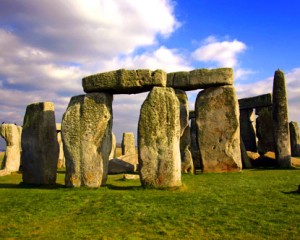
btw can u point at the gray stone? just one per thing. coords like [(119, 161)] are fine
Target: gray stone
[(128, 143), (112, 154), (264, 130), (247, 128), (39, 144), (124, 81), (280, 121), (158, 139), (200, 79), (217, 119), (86, 133), (12, 157), (260, 101), (123, 164), (245, 159), (187, 165), (194, 145), (295, 139)]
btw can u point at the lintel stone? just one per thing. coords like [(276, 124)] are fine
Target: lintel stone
[(124, 81), (264, 100), (200, 78)]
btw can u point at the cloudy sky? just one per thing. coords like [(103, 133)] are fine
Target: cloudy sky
[(47, 47)]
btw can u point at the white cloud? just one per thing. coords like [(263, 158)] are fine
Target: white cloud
[(223, 53)]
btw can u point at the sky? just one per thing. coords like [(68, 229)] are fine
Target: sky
[(47, 47)]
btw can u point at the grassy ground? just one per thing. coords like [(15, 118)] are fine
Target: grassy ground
[(254, 204)]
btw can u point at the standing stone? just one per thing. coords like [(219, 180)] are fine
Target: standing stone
[(264, 130), (112, 154), (86, 133), (194, 145), (11, 161), (217, 118), (158, 139), (280, 121), (61, 163), (39, 144), (185, 137), (295, 139), (247, 128), (128, 143)]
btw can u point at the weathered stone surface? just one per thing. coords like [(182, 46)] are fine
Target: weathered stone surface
[(246, 162), (200, 79), (247, 128), (264, 130), (217, 119), (264, 100), (192, 114), (112, 154), (86, 133), (12, 157), (123, 164), (39, 144), (131, 177), (194, 145), (187, 165), (295, 139), (124, 81), (280, 121), (158, 139), (61, 163), (128, 143)]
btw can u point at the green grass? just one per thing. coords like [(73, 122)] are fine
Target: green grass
[(254, 204)]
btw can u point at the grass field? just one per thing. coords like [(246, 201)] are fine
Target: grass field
[(254, 204)]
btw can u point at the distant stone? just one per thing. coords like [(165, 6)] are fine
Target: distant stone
[(194, 145), (123, 164), (39, 144), (295, 139), (260, 101), (128, 143), (248, 129), (158, 139), (200, 79), (61, 163), (112, 154), (192, 114), (280, 121), (12, 157), (124, 81), (131, 177), (86, 133), (246, 162), (217, 118), (187, 165)]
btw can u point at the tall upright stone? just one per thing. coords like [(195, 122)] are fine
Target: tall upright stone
[(86, 133), (61, 163), (39, 144), (112, 154), (194, 145), (295, 139), (158, 139), (187, 164), (280, 121), (12, 157), (264, 130), (217, 118), (247, 128), (128, 143)]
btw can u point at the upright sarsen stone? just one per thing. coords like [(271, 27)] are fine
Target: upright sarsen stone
[(217, 119), (11, 161), (39, 144), (280, 121), (128, 143), (295, 139), (158, 139), (86, 133)]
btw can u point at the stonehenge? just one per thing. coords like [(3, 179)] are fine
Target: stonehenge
[(39, 144), (217, 136)]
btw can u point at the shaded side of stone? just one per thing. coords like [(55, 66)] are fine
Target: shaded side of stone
[(280, 121), (86, 132), (264, 100), (12, 156), (159, 138), (295, 139), (194, 145), (218, 129), (200, 78), (124, 81), (247, 128), (245, 159), (128, 143), (39, 144)]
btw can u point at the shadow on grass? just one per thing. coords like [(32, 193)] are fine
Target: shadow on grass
[(31, 186), (114, 187), (292, 192)]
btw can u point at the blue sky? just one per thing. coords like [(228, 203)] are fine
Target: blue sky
[(46, 47)]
